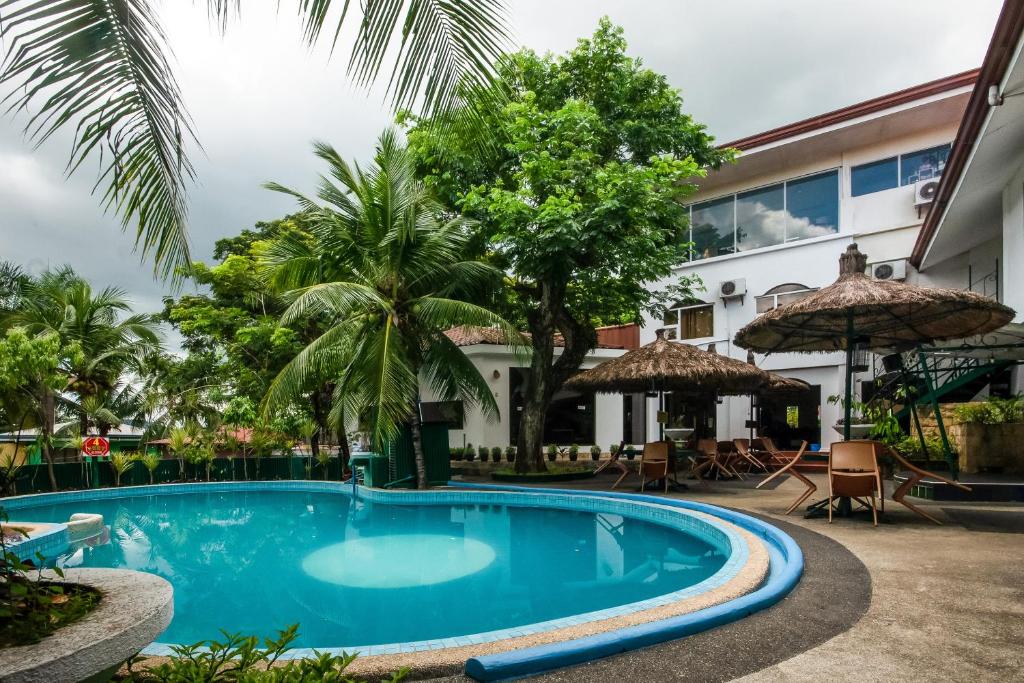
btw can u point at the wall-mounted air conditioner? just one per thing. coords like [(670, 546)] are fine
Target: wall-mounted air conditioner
[(732, 289), (924, 191), (889, 270)]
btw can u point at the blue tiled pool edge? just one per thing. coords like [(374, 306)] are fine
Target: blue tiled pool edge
[(785, 569)]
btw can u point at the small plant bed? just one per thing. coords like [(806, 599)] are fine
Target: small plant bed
[(32, 608), (554, 473)]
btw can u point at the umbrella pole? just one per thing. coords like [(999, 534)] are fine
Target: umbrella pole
[(661, 412), (848, 403)]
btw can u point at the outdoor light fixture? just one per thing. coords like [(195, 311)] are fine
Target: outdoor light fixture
[(496, 374)]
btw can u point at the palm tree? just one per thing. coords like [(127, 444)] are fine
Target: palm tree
[(101, 68), (388, 273), (110, 341), (151, 461)]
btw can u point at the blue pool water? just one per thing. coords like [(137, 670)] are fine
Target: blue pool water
[(362, 573)]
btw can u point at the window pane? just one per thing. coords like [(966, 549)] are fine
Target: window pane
[(765, 303), (697, 322), (874, 177), (813, 206), (712, 228), (760, 219), (671, 317), (922, 165), (792, 297)]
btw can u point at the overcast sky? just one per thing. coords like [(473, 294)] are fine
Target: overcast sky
[(259, 98)]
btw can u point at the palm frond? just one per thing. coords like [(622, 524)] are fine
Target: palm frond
[(101, 66), (338, 299), (451, 375), (442, 45)]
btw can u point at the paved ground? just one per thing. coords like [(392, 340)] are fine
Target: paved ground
[(906, 601)]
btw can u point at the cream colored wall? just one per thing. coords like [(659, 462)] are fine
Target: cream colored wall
[(491, 360)]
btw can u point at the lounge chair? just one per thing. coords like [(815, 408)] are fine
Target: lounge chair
[(853, 473), (613, 462), (654, 463), (776, 458), (790, 469)]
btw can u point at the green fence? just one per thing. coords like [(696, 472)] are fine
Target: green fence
[(98, 473), (436, 456)]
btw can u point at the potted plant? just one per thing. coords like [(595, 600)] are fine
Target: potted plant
[(496, 454), (574, 453), (469, 453), (630, 452), (482, 452), (552, 451), (862, 418), (595, 452), (457, 453), (613, 449), (510, 454)]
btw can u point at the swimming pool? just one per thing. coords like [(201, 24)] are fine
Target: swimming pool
[(395, 572)]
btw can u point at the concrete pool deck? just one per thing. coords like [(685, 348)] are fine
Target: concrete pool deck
[(907, 600)]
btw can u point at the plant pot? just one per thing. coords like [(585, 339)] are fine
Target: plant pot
[(857, 431)]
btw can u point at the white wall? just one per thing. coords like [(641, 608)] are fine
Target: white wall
[(1012, 251), (493, 360), (885, 226)]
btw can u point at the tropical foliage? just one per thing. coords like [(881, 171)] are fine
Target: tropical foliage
[(388, 273), (101, 69), (582, 201)]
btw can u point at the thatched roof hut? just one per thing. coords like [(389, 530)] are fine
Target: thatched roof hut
[(665, 365), (881, 314)]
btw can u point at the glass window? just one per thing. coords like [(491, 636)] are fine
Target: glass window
[(697, 322), (783, 294), (689, 321), (711, 228), (874, 177), (812, 204), (760, 218), (927, 163)]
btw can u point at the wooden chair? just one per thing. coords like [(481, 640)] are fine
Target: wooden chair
[(790, 469), (707, 452), (916, 474), (654, 463), (743, 448), (776, 458), (853, 473), (613, 462)]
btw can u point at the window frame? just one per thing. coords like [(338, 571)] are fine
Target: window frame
[(677, 326), (837, 170), (899, 167), (775, 295)]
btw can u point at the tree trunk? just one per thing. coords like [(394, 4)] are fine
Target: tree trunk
[(417, 447), (45, 433), (548, 374)]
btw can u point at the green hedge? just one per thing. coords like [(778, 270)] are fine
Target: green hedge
[(34, 479)]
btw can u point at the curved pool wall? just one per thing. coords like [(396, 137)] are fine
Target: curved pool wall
[(785, 566)]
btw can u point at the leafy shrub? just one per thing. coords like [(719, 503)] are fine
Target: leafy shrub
[(32, 608), (552, 451), (240, 659), (496, 454), (574, 452), (469, 453), (482, 452), (510, 454), (993, 411), (910, 447), (595, 452)]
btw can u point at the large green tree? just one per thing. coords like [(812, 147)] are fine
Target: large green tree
[(390, 275), (110, 339), (102, 69), (231, 326), (581, 200)]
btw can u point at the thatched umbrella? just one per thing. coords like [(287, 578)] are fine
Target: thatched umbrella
[(665, 365), (878, 314)]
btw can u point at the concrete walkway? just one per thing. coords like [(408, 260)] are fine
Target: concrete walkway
[(944, 603)]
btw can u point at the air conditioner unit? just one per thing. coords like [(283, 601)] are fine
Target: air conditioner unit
[(732, 289), (924, 191), (889, 270)]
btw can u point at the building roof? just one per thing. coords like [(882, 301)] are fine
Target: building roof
[(997, 63), (470, 335), (859, 109)]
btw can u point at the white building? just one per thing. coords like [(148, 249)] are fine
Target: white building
[(770, 228), (583, 419)]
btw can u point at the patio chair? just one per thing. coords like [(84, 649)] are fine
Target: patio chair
[(916, 474), (776, 458), (654, 463), (790, 469), (743, 448), (729, 459), (613, 462), (853, 473)]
